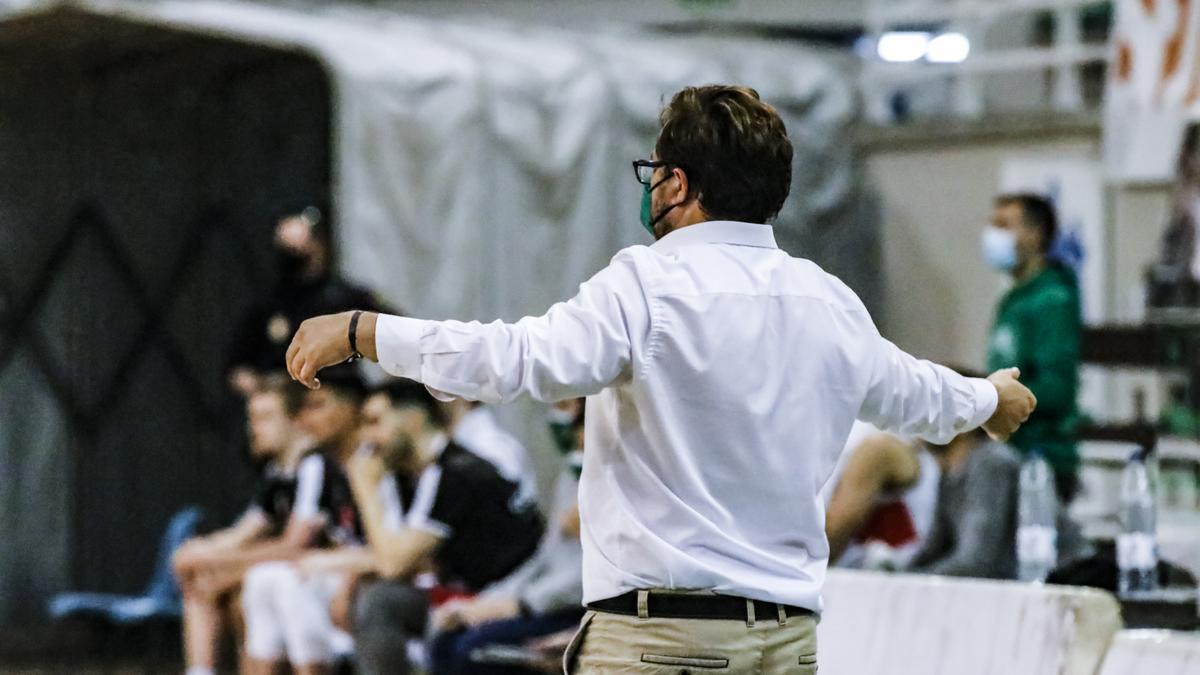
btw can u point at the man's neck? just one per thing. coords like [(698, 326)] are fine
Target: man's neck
[(1029, 270), (688, 215), (426, 450)]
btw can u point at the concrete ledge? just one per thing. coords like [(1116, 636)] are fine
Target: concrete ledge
[(923, 625), (1153, 652)]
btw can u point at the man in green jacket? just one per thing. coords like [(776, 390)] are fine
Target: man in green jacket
[(1037, 329)]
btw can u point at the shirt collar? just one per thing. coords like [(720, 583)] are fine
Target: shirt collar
[(717, 232)]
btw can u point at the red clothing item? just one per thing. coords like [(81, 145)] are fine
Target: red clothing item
[(891, 523)]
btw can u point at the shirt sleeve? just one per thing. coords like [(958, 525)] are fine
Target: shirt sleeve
[(918, 398), (310, 478), (577, 348)]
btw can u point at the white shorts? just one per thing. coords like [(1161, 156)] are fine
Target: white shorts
[(288, 615)]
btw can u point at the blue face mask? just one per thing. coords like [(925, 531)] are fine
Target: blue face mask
[(648, 220), (999, 249)]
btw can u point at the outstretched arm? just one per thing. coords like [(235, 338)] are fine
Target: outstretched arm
[(919, 398), (575, 349)]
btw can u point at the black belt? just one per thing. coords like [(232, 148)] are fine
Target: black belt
[(695, 606)]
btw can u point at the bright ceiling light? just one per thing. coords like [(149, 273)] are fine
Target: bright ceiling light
[(902, 46), (948, 48)]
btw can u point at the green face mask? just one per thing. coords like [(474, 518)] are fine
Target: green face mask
[(564, 437), (646, 210), (562, 430), (648, 219)]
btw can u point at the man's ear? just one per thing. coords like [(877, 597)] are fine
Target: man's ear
[(684, 186)]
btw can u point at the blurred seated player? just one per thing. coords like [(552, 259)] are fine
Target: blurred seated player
[(974, 531), (208, 576), (975, 522), (461, 518), (474, 426), (543, 596), (285, 597), (306, 286), (879, 501)]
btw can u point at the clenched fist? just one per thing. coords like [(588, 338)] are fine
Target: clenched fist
[(324, 341), (1016, 404)]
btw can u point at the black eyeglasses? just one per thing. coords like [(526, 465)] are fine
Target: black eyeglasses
[(643, 169)]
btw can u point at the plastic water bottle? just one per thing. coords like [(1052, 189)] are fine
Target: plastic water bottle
[(1137, 546), (1037, 509)]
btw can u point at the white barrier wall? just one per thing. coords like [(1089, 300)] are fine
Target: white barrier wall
[(1153, 652), (896, 624)]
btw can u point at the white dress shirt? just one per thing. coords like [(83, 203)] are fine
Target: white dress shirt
[(723, 378)]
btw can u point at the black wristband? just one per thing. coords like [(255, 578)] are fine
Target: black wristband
[(353, 334)]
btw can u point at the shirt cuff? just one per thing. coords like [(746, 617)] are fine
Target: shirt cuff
[(397, 344), (986, 400)]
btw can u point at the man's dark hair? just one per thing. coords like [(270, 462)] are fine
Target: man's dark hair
[(345, 382), (288, 390), (1036, 211), (404, 392), (734, 149)]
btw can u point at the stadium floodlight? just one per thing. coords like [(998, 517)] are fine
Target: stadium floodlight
[(948, 48), (903, 46)]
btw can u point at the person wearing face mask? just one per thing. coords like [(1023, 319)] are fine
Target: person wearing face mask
[(723, 376), (305, 286), (1037, 328)]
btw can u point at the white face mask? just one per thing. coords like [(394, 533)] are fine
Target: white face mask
[(999, 248)]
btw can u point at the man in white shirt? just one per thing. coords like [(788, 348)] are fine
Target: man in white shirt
[(723, 378)]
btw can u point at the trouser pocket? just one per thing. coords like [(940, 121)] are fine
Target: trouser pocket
[(686, 661), (576, 642)]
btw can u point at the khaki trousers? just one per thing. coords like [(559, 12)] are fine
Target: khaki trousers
[(615, 643)]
